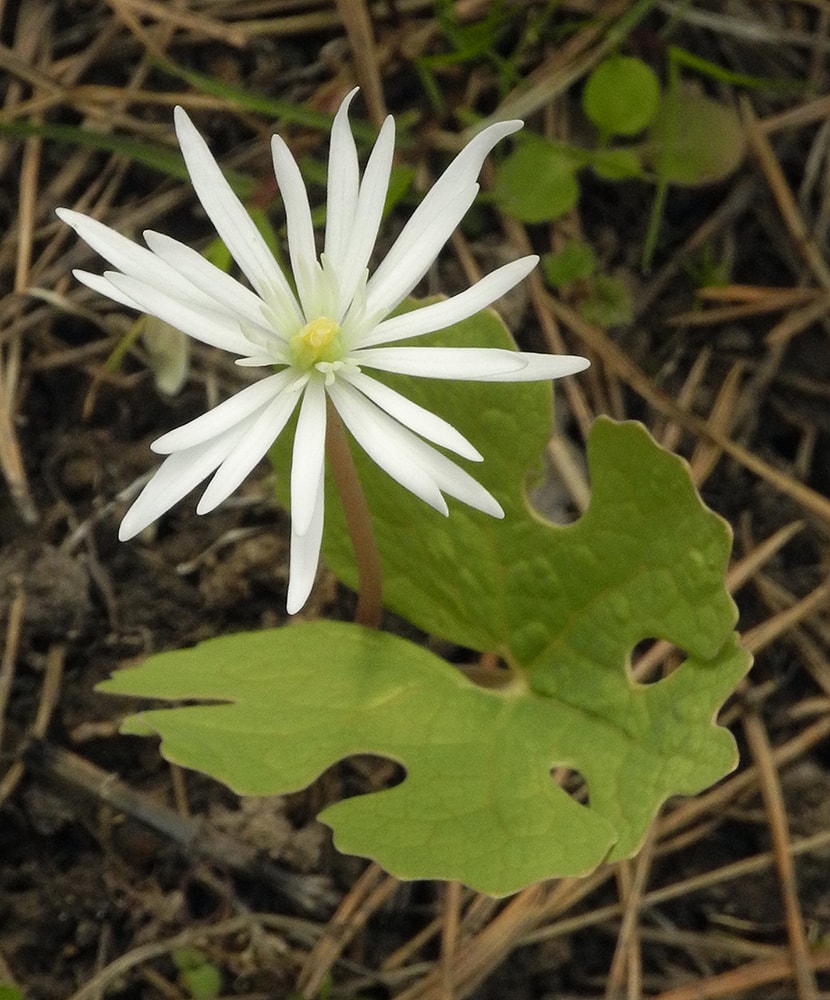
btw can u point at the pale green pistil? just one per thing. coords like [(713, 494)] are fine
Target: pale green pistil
[(318, 341)]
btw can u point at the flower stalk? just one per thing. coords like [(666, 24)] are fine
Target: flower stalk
[(358, 522)]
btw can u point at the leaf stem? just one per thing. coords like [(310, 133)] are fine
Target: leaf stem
[(358, 521)]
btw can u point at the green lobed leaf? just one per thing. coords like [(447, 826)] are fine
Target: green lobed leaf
[(647, 560), (478, 802), (563, 605)]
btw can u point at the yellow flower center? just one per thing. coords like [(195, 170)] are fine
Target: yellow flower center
[(318, 341)]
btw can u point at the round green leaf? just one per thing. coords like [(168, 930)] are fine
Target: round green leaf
[(537, 182), (621, 95), (695, 140)]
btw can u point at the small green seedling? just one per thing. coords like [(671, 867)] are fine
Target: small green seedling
[(601, 298), (681, 139), (200, 979)]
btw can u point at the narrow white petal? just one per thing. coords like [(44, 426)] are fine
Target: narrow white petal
[(261, 431), (132, 259), (301, 247), (227, 213), (257, 361), (370, 204), (305, 555), (224, 416), (380, 437), (308, 456), (438, 212), (467, 364), (467, 165), (451, 478), (343, 182), (175, 478), (405, 453), (541, 367), (122, 253), (429, 425), (200, 322), (440, 315), (98, 283), (231, 296), (415, 250)]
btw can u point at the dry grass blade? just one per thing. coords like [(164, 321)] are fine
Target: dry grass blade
[(774, 803), (632, 878), (733, 984), (358, 25), (370, 891), (766, 633), (787, 205)]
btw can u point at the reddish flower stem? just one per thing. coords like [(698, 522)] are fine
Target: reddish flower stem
[(358, 521)]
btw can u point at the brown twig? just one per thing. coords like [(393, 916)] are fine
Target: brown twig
[(776, 814)]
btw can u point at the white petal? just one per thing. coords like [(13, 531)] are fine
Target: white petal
[(231, 296), (438, 212), (98, 283), (440, 315), (343, 182), (369, 212), (462, 363), (541, 367), (301, 247), (131, 258), (175, 478), (258, 361), (224, 416), (415, 250), (413, 416), (200, 322), (452, 479), (403, 453), (379, 436), (467, 165), (122, 253), (227, 214), (308, 457), (305, 555), (261, 431)]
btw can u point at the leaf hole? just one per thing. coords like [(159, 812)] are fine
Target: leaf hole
[(571, 781), (549, 496), (489, 671), (653, 659)]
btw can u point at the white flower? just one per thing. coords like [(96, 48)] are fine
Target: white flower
[(322, 338)]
